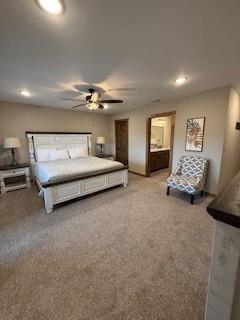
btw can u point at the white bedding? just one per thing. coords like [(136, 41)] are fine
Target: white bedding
[(51, 170)]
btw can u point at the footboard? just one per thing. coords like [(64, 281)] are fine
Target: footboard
[(58, 193)]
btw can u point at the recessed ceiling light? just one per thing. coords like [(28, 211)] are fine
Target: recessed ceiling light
[(51, 6), (181, 80), (25, 93)]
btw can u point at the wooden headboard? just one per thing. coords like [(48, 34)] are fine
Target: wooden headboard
[(56, 140)]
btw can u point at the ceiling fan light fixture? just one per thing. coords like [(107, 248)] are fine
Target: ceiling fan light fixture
[(93, 106), (95, 96), (51, 6), (93, 101)]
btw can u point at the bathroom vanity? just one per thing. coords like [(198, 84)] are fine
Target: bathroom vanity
[(159, 158)]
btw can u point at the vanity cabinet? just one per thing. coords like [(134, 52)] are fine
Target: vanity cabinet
[(159, 160)]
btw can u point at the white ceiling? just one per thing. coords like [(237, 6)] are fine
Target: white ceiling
[(137, 44)]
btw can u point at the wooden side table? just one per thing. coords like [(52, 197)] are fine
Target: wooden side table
[(19, 170)]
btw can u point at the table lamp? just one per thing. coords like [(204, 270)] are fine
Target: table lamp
[(101, 142), (12, 143)]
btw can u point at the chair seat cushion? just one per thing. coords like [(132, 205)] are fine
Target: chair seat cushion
[(190, 185)]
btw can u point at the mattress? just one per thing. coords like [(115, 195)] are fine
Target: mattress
[(47, 171)]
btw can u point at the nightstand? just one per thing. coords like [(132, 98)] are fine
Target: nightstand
[(105, 156), (8, 173)]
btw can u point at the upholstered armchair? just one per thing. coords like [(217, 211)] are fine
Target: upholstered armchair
[(190, 176)]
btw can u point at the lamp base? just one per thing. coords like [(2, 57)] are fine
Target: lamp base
[(14, 161), (101, 152)]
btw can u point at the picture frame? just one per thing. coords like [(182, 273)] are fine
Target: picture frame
[(195, 134)]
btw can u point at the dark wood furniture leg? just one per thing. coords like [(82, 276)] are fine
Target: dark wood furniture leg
[(192, 198), (168, 190), (202, 193)]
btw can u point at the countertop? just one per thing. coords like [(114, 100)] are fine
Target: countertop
[(158, 149), (226, 206)]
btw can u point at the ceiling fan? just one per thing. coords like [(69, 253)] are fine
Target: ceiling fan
[(93, 100)]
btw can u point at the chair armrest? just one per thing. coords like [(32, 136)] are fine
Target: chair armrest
[(201, 181), (177, 171), (202, 177)]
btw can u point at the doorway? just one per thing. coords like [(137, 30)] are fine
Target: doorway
[(121, 140), (159, 144)]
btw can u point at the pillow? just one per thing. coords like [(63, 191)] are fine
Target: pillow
[(43, 154), (59, 154), (78, 152)]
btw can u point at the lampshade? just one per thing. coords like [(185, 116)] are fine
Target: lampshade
[(11, 143), (101, 140)]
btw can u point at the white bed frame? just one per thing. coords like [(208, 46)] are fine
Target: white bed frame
[(62, 190)]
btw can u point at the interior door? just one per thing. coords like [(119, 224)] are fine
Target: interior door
[(121, 140)]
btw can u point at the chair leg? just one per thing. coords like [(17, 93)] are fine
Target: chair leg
[(192, 198), (202, 193), (168, 191)]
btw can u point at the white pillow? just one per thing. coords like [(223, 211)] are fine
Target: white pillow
[(59, 154), (43, 154), (78, 152)]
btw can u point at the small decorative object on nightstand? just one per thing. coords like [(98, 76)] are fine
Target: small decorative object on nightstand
[(10, 172), (12, 143), (106, 156), (101, 143)]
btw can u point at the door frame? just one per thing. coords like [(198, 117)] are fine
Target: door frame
[(116, 121), (148, 138)]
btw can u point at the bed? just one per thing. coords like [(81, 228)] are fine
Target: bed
[(64, 179)]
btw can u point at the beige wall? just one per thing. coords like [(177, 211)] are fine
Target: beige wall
[(231, 152), (167, 132), (211, 104), (16, 119)]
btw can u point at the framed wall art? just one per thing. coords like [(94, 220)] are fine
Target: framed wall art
[(194, 134)]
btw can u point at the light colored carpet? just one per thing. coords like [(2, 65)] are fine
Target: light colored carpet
[(129, 253)]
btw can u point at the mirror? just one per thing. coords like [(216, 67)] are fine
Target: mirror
[(157, 136)]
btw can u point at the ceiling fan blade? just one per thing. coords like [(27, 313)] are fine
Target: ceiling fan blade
[(88, 87), (79, 105), (123, 89), (69, 99), (111, 101)]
